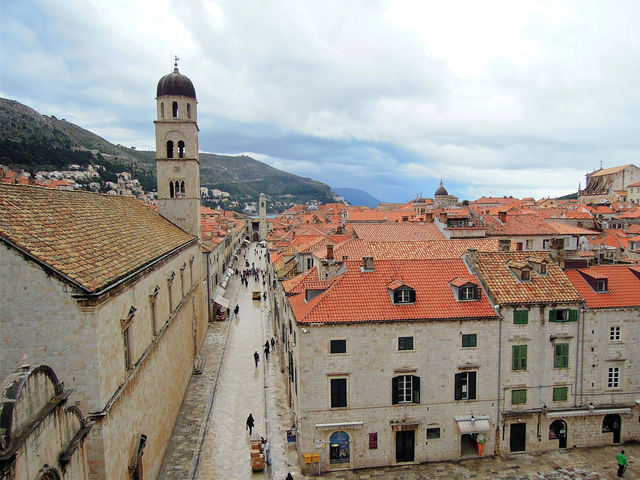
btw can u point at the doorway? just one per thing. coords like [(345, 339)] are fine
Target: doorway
[(518, 437), (558, 430), (468, 445), (405, 445), (339, 448), (612, 423)]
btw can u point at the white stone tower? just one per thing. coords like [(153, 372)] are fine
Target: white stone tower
[(262, 214), (177, 160)]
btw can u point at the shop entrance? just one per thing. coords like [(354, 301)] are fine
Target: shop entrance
[(339, 448), (405, 445), (612, 423), (517, 437), (468, 445), (558, 430)]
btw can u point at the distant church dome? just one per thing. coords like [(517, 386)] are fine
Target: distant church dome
[(441, 190), (176, 84), (313, 208)]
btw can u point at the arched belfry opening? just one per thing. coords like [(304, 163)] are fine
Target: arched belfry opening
[(174, 109), (180, 149), (188, 110), (162, 110), (169, 149)]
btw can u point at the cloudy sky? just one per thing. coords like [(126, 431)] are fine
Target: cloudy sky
[(514, 98)]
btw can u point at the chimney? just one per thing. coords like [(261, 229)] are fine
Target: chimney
[(443, 217), (428, 217), (472, 258), (367, 264), (329, 251), (502, 216), (504, 244)]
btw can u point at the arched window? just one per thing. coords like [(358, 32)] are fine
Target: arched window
[(180, 149), (188, 110), (161, 109), (171, 191), (182, 189), (177, 188), (174, 109), (169, 149)]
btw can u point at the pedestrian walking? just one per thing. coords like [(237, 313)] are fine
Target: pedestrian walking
[(256, 357), (266, 353), (273, 343), (249, 424), (266, 346), (622, 463), (236, 310), (289, 476)]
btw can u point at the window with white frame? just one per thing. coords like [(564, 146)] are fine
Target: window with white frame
[(405, 389), (529, 244), (613, 379), (615, 333)]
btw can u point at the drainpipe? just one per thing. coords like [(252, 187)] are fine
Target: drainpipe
[(584, 313), (497, 307), (579, 352)]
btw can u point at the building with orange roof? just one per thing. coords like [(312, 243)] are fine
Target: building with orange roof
[(603, 184), (396, 350)]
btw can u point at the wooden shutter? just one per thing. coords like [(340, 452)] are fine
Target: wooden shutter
[(338, 392), (553, 315), (471, 387), (412, 296), (458, 387), (394, 390), (416, 389), (573, 315)]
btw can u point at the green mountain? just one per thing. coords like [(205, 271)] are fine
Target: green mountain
[(33, 142)]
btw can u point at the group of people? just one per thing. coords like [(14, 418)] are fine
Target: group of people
[(268, 346)]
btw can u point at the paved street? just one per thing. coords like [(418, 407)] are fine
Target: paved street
[(210, 440)]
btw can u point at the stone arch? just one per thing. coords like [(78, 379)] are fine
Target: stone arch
[(169, 149), (174, 109), (180, 149), (339, 451)]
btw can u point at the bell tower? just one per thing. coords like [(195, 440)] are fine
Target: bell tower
[(262, 215), (177, 160)]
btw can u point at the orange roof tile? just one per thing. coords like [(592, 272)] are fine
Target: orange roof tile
[(407, 232), (505, 288), (623, 285), (92, 239)]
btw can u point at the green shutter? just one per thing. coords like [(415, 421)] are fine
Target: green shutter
[(553, 315), (573, 315), (561, 355), (518, 396), (560, 394), (469, 340), (521, 317), (519, 357)]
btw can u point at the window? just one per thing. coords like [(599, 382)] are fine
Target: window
[(127, 348), (469, 340), (560, 394), (465, 386), (615, 333), (338, 392), (519, 357), (529, 244), (518, 396), (561, 355), (405, 389), (338, 346), (170, 287), (601, 285), (433, 433), (180, 149), (169, 149), (182, 285), (405, 343), (174, 109), (613, 379), (188, 110), (468, 292), (404, 296), (563, 315), (162, 110), (543, 269), (309, 263), (546, 244), (521, 317), (154, 309), (525, 274)]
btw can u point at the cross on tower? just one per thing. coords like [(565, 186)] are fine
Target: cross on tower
[(176, 58)]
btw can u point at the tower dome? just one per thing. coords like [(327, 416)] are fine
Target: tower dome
[(441, 190), (176, 84)]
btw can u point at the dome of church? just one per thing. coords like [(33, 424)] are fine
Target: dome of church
[(441, 190), (176, 84), (313, 208)]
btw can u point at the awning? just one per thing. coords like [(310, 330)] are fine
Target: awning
[(229, 272), (218, 297), (585, 412), (339, 424), (473, 426)]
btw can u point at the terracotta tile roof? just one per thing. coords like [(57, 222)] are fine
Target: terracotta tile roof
[(357, 296), (564, 229), (380, 216), (92, 239), (623, 285), (609, 171), (518, 225), (393, 232), (505, 288), (433, 249)]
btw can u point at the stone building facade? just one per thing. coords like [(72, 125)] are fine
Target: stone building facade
[(41, 437)]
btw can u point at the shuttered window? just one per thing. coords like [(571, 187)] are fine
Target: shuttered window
[(519, 357), (561, 355), (560, 394), (405, 389), (518, 396), (521, 317), (465, 386), (563, 315), (338, 392)]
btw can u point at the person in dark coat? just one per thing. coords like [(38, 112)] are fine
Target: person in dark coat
[(289, 476), (273, 343), (266, 346), (249, 424), (256, 357), (266, 352)]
